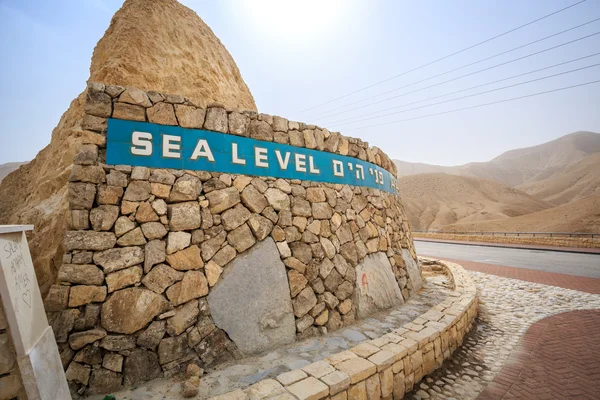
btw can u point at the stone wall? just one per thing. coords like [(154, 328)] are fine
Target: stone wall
[(11, 386), (169, 267), (580, 242), (386, 367)]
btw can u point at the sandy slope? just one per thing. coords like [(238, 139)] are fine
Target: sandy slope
[(7, 168), (158, 45), (578, 216), (433, 201), (520, 166), (574, 182)]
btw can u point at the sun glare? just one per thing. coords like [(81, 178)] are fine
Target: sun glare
[(294, 20)]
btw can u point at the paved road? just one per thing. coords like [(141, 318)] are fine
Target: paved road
[(587, 265)]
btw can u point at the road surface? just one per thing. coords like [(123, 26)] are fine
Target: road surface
[(587, 265)]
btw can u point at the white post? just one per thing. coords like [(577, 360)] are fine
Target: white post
[(37, 354)]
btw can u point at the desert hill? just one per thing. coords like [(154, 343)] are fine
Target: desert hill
[(578, 216), (159, 45), (563, 170), (7, 168), (435, 200), (520, 166), (572, 183)]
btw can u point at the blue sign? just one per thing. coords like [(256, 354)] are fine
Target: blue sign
[(160, 146)]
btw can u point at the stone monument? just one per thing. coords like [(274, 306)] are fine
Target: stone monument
[(37, 356)]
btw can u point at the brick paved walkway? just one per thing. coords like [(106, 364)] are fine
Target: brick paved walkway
[(584, 284), (557, 358), (588, 250)]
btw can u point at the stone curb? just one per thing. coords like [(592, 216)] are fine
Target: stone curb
[(386, 367)]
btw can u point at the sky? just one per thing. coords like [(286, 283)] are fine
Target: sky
[(297, 55)]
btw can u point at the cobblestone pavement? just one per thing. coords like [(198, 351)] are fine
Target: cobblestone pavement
[(507, 308), (243, 373), (557, 358)]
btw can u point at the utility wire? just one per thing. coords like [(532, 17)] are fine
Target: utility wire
[(475, 94), (449, 55), (464, 90), (478, 105), (459, 68)]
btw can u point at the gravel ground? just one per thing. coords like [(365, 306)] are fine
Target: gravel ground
[(507, 308)]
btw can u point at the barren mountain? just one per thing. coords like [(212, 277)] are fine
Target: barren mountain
[(521, 166), (572, 183), (156, 45), (433, 201), (7, 168), (578, 216)]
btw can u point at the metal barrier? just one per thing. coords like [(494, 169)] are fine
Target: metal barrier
[(524, 234)]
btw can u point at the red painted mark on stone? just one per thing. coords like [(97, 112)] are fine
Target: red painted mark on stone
[(364, 281)]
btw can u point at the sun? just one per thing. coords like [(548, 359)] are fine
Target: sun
[(293, 20)]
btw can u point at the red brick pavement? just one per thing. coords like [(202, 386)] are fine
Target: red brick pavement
[(557, 358), (588, 250), (584, 284)]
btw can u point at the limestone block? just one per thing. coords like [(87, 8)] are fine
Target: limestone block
[(257, 316), (376, 285), (81, 339), (293, 376), (192, 286), (216, 120), (413, 270), (141, 366), (89, 240), (129, 310), (277, 199), (104, 381), (221, 200), (337, 382), (119, 258), (185, 316), (309, 389), (129, 112), (190, 117), (241, 238), (133, 238), (84, 274), (187, 259), (83, 294), (186, 188), (91, 174), (154, 253), (260, 130), (162, 113), (318, 369), (123, 278)]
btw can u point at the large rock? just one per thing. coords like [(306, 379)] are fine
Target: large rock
[(251, 301), (412, 269), (194, 64), (376, 285), (129, 310)]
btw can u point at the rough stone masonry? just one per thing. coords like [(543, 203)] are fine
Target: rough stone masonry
[(163, 268)]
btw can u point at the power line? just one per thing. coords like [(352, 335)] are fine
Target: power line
[(449, 55), (476, 94), (464, 90), (459, 68), (478, 105)]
